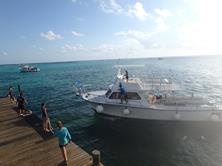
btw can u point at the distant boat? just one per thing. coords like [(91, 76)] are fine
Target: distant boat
[(27, 68), (160, 58)]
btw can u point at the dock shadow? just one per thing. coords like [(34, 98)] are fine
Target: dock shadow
[(129, 142), (36, 123), (62, 164)]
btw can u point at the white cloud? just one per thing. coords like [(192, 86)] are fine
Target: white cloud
[(81, 2), (148, 40), (203, 34), (161, 25), (4, 53), (50, 35), (135, 34), (110, 6), (70, 48), (163, 12), (77, 34), (138, 11), (106, 47), (160, 19)]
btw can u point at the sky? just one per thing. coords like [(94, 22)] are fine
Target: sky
[(72, 30)]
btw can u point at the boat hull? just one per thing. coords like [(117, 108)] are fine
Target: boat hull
[(27, 71), (145, 129), (153, 114)]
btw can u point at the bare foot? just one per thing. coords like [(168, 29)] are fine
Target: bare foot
[(47, 130)]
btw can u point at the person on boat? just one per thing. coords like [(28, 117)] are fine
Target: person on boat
[(126, 75), (152, 99), (21, 104), (64, 138), (10, 93), (122, 93), (45, 118)]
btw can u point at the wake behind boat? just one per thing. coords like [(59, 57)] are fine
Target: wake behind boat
[(28, 68), (151, 100)]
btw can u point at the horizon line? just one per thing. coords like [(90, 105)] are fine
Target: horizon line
[(70, 61)]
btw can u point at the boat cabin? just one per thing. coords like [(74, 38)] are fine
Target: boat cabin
[(131, 91)]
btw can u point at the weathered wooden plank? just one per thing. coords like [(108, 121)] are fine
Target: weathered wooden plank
[(21, 144)]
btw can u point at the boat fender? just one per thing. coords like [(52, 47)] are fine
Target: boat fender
[(99, 108), (214, 117), (177, 116), (126, 111)]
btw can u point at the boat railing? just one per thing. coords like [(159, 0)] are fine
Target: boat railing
[(79, 88), (158, 84), (185, 105)]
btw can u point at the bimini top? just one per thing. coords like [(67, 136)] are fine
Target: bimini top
[(147, 84)]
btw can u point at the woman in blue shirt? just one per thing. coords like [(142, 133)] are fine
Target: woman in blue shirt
[(64, 138)]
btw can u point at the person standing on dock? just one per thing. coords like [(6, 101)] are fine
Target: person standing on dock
[(10, 93), (21, 104), (64, 138), (45, 118)]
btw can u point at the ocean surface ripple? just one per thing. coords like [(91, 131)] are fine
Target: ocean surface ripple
[(123, 144)]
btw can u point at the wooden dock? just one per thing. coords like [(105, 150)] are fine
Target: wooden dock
[(24, 144)]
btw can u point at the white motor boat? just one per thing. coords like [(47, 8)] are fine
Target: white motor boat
[(27, 68), (143, 101)]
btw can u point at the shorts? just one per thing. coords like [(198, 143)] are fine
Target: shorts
[(44, 116), (61, 146), (21, 107)]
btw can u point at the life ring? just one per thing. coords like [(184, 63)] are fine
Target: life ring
[(126, 111), (99, 108), (177, 116), (214, 117)]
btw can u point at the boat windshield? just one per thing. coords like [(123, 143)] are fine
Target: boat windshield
[(108, 92), (133, 96), (129, 95)]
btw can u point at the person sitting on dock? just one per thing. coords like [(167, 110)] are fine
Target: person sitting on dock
[(21, 104), (45, 121), (64, 138)]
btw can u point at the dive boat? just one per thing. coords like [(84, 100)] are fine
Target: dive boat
[(27, 68), (151, 100)]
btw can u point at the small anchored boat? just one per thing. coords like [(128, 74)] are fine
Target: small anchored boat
[(28, 68)]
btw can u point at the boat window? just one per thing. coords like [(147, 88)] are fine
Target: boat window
[(114, 95), (133, 96), (108, 92), (129, 95)]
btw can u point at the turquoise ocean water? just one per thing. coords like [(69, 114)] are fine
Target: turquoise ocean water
[(124, 147)]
